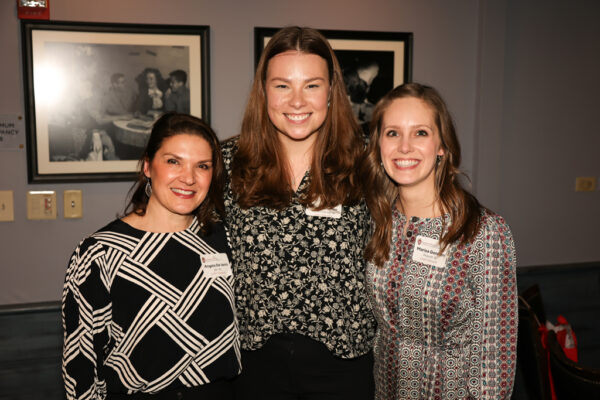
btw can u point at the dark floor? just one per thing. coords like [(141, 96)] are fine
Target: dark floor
[(30, 352), (31, 334)]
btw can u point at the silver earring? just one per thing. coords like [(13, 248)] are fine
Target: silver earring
[(438, 159), (148, 188)]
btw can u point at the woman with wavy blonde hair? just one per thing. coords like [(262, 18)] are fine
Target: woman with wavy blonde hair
[(441, 269), (298, 224)]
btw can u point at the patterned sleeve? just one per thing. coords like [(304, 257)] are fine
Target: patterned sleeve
[(86, 313), (494, 344)]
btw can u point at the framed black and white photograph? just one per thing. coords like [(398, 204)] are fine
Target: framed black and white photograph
[(373, 63), (94, 90)]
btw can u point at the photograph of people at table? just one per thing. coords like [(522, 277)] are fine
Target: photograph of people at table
[(442, 270), (147, 303), (298, 224), (106, 97)]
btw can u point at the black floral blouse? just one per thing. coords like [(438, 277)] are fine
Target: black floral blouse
[(300, 273)]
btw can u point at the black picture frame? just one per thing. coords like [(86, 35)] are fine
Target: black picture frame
[(70, 69), (391, 52)]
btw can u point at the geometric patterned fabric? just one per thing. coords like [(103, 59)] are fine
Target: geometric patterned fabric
[(446, 330), (140, 313)]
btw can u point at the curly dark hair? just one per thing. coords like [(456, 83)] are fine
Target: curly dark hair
[(172, 124)]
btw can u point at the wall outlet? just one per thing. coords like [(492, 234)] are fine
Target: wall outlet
[(41, 204)]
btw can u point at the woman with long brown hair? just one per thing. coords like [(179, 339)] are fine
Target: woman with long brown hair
[(298, 224), (442, 267)]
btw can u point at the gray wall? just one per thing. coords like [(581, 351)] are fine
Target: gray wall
[(551, 108), (501, 65)]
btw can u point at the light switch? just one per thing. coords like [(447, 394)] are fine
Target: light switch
[(73, 204), (585, 184), (7, 212), (41, 204)]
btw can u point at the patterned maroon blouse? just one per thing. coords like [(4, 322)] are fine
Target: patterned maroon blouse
[(447, 331)]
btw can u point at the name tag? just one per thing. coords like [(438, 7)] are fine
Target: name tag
[(335, 212), (426, 252), (215, 265)]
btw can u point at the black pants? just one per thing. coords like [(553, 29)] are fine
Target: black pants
[(292, 366), (221, 390)]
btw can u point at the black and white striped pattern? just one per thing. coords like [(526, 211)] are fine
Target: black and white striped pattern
[(140, 314)]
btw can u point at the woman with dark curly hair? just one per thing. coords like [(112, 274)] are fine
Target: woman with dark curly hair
[(148, 307), (151, 86)]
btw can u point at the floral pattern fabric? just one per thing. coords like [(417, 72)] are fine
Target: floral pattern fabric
[(450, 331), (300, 273)]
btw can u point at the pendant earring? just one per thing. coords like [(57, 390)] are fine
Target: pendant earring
[(148, 188), (438, 159)]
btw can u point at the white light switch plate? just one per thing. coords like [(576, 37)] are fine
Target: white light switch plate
[(72, 204), (41, 204), (7, 211)]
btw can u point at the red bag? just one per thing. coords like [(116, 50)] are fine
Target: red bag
[(565, 337)]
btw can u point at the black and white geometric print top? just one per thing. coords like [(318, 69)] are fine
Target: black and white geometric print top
[(297, 271), (142, 313)]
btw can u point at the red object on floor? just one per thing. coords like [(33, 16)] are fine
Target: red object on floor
[(566, 338)]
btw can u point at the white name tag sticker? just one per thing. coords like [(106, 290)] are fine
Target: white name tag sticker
[(215, 265), (426, 252), (335, 212)]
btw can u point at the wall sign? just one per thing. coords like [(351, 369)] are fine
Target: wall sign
[(12, 132), (33, 9)]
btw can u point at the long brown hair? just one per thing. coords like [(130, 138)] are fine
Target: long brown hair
[(173, 124), (463, 207), (259, 167)]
